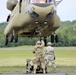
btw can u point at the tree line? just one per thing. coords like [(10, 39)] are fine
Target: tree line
[(66, 33)]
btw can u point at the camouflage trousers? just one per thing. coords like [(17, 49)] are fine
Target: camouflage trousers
[(39, 60), (50, 58)]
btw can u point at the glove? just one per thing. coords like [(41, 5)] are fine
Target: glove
[(54, 58), (33, 51)]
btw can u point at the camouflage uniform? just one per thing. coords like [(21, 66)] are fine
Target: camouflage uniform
[(29, 65), (50, 56), (39, 56)]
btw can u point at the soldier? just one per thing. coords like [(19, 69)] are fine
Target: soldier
[(50, 55), (29, 66), (39, 56)]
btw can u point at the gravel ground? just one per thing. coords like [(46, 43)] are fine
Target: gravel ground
[(31, 48), (57, 73), (60, 72)]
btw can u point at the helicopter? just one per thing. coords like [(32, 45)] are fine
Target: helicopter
[(32, 18)]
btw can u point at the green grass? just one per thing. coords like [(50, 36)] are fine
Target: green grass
[(66, 57), (18, 57), (14, 57), (15, 60)]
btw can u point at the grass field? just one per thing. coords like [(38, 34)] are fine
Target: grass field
[(15, 60)]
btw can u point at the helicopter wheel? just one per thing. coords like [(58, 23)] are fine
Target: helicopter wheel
[(16, 37), (52, 38), (6, 40), (11, 37), (56, 38)]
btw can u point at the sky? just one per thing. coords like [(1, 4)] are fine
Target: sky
[(66, 10)]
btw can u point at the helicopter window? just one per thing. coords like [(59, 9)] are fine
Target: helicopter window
[(41, 1), (37, 1), (49, 1)]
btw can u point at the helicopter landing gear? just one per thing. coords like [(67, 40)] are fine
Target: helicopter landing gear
[(13, 37), (54, 38), (6, 40), (16, 37)]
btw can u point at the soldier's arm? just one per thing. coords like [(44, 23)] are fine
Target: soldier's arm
[(42, 43), (34, 49)]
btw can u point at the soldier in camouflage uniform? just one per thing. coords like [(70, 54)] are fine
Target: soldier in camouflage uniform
[(29, 66), (50, 55), (39, 56)]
